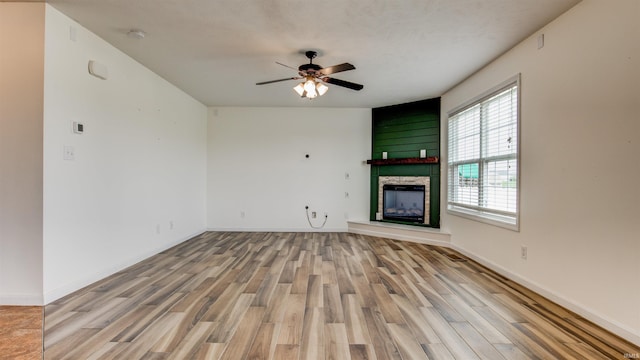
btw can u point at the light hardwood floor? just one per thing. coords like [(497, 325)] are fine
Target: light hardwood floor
[(315, 296)]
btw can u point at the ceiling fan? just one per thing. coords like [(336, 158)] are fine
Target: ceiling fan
[(315, 76)]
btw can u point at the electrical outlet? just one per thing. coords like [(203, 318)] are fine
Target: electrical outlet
[(314, 215), (69, 153), (523, 252)]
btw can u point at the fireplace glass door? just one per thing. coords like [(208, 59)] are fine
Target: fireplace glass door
[(403, 203)]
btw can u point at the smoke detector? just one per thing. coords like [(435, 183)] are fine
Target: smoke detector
[(136, 34)]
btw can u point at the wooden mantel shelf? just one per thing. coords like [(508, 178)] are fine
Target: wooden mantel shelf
[(404, 161)]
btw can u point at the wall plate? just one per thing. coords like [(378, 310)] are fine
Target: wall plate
[(78, 128), (98, 70)]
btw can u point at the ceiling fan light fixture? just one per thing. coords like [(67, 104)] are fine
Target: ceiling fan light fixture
[(315, 76), (310, 88), (299, 89), (321, 88), (310, 85)]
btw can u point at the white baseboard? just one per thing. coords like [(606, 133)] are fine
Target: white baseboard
[(89, 279)]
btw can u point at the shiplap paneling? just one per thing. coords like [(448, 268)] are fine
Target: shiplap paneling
[(402, 131)]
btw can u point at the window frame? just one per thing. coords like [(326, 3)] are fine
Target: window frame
[(481, 214)]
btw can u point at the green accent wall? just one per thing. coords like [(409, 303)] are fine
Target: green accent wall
[(402, 130)]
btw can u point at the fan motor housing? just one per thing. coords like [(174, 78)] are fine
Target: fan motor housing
[(307, 67)]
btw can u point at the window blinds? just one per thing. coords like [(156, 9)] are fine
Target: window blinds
[(483, 156)]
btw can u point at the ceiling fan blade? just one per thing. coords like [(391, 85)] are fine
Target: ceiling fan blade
[(336, 69), (287, 66), (274, 81), (343, 83)]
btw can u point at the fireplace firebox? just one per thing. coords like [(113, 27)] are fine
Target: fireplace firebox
[(403, 203)]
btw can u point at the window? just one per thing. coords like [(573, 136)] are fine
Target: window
[(483, 176)]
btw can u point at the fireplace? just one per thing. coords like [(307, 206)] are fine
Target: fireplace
[(404, 199), (403, 203)]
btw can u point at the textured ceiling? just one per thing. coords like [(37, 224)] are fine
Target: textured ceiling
[(403, 50)]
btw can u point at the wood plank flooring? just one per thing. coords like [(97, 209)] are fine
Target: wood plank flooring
[(315, 296)]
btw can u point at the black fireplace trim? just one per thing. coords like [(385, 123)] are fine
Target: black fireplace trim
[(405, 219)]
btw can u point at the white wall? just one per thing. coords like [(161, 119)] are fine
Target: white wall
[(137, 184), (580, 199), (21, 99), (257, 166)]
